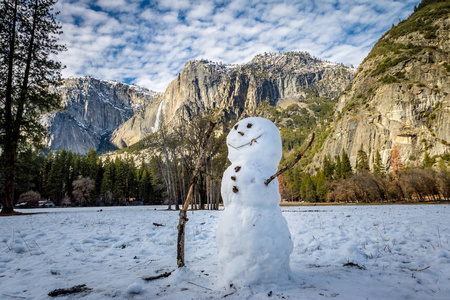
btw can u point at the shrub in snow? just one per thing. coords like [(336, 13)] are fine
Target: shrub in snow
[(30, 199), (253, 239), (82, 189)]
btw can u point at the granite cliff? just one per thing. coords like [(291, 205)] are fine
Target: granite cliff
[(106, 115), (400, 94), (237, 90), (93, 109)]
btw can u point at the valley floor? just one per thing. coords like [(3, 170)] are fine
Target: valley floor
[(340, 252)]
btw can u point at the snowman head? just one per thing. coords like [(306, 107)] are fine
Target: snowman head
[(255, 139)]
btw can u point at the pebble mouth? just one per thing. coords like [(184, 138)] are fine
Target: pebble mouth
[(248, 143)]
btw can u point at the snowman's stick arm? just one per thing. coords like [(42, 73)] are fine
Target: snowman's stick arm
[(287, 167)]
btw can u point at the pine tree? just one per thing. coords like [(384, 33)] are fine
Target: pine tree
[(338, 168), (294, 181), (428, 162), (146, 188), (65, 172), (108, 176), (56, 178), (92, 168), (321, 184), (71, 172), (328, 167), (120, 179), (307, 189), (362, 162), (28, 41), (378, 168), (48, 161), (29, 166), (91, 164), (131, 179), (77, 167), (346, 167)]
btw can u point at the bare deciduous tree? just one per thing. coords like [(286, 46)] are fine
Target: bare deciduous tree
[(444, 183), (30, 199), (82, 189), (420, 184)]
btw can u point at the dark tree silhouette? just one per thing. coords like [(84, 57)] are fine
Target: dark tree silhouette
[(28, 39)]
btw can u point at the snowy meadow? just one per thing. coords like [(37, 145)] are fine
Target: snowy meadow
[(340, 252)]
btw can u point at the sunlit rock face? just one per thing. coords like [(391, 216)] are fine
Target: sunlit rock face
[(399, 97), (105, 115), (281, 79), (93, 109)]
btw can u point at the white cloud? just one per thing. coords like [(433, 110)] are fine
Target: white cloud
[(174, 4), (200, 11), (150, 42)]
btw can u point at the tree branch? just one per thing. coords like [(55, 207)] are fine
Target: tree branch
[(213, 177), (289, 166), (183, 219)]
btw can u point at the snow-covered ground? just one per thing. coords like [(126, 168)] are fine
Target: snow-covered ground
[(340, 252)]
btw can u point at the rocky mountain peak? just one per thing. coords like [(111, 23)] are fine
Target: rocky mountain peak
[(283, 78), (288, 61)]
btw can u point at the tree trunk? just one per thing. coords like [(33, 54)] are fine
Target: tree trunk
[(8, 205), (208, 198), (10, 148), (179, 186), (174, 183), (202, 191), (169, 182), (183, 219), (12, 132), (183, 181)]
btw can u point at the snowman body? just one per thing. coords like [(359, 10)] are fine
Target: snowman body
[(253, 238)]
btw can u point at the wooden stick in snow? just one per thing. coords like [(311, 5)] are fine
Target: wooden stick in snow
[(287, 167), (183, 219), (164, 275)]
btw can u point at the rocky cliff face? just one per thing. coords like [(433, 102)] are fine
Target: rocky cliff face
[(400, 95), (282, 78), (93, 109), (191, 92)]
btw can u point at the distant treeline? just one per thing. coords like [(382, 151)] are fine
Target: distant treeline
[(70, 179), (336, 181), (164, 176)]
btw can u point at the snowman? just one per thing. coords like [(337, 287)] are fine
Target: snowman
[(253, 238)]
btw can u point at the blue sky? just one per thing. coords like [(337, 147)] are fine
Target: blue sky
[(148, 42)]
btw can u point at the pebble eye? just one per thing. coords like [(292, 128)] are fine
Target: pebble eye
[(236, 127), (249, 125)]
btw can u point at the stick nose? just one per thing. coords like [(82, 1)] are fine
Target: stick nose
[(240, 132)]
